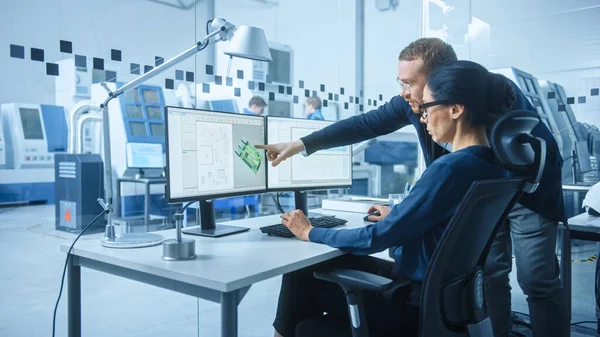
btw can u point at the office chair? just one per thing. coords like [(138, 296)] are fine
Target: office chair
[(452, 300)]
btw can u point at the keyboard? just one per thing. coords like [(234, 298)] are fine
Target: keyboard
[(323, 222)]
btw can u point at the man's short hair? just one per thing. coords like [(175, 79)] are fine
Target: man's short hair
[(314, 101), (258, 101), (433, 51)]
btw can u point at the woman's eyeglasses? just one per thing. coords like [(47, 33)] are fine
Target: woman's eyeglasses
[(423, 108)]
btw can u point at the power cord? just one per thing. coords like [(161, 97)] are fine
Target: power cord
[(277, 203), (62, 282)]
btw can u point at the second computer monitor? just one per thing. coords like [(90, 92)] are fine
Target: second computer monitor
[(331, 168)]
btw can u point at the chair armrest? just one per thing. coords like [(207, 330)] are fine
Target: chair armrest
[(356, 280)]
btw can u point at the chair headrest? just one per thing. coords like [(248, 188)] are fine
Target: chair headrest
[(515, 147)]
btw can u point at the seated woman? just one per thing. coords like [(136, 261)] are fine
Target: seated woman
[(460, 102)]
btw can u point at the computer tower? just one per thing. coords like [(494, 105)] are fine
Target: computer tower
[(79, 181)]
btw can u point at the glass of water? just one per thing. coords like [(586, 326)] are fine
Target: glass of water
[(395, 198)]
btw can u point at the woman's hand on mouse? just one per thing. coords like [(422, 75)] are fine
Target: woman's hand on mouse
[(383, 211)]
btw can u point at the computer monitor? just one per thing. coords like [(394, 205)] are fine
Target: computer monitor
[(212, 155), (224, 105), (325, 169), (583, 156), (144, 155)]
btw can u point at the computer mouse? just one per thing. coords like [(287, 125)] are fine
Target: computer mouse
[(376, 213)]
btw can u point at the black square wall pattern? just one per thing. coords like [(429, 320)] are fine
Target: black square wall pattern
[(66, 47), (322, 87), (98, 63), (229, 81), (306, 93), (295, 99), (346, 105), (289, 90), (111, 76), (134, 68), (551, 95), (581, 99), (330, 96), (271, 96), (336, 97), (314, 93), (209, 70), (356, 100), (169, 83), (301, 84), (325, 103), (218, 80), (147, 68), (380, 97), (570, 100), (206, 88), (240, 74), (52, 69), (351, 99), (595, 92), (237, 92), (360, 108), (261, 86), (116, 55), (80, 61), (374, 103), (17, 51), (189, 76), (179, 75), (562, 107), (342, 91), (281, 89), (158, 60), (369, 102), (251, 85), (37, 54)]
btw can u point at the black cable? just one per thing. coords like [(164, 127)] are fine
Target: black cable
[(520, 313), (584, 322), (62, 282), (207, 26), (278, 203)]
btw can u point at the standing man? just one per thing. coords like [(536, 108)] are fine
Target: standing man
[(256, 106), (533, 222)]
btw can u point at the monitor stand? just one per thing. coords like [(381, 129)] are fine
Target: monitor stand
[(301, 201), (208, 227)]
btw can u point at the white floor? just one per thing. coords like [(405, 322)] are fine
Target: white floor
[(32, 266)]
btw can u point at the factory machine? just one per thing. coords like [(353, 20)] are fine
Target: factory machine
[(30, 136), (137, 140), (577, 144)]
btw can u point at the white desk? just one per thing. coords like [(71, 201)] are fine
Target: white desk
[(223, 272), (581, 227)]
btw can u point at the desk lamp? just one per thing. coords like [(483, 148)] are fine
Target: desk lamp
[(246, 42)]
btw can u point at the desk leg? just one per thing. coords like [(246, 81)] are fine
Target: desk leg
[(74, 298), (229, 313), (565, 270)]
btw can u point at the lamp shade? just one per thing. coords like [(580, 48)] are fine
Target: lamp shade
[(249, 43)]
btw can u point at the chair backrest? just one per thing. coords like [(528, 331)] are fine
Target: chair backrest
[(452, 291)]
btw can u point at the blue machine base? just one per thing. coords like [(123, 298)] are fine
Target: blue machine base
[(133, 205), (27, 192)]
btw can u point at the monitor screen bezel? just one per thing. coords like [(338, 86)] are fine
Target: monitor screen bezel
[(172, 200), (304, 188)]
